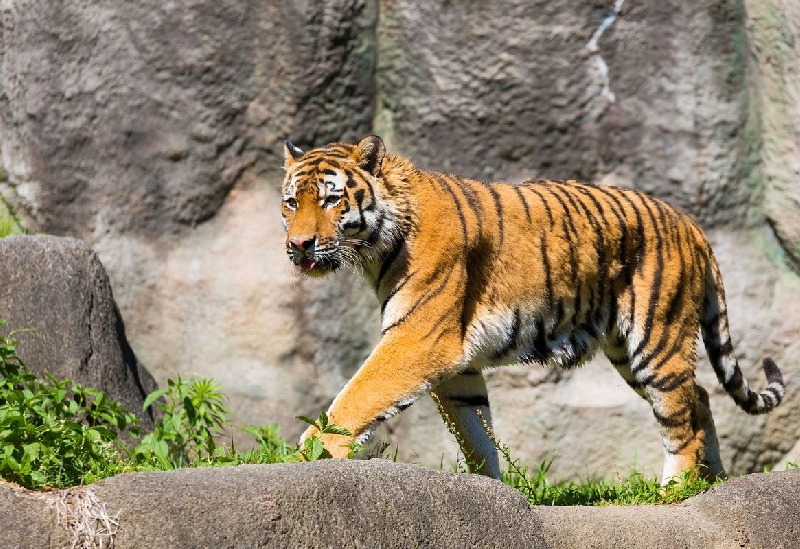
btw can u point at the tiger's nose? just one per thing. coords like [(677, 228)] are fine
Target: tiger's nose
[(302, 244)]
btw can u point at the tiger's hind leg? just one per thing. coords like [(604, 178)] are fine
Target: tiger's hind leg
[(669, 386), (460, 397), (712, 462), (681, 407)]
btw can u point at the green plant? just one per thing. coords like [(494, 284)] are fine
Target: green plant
[(192, 415), (54, 432), (312, 448), (58, 433), (9, 224), (634, 489)]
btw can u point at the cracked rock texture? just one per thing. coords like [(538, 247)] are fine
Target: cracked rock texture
[(153, 130), (57, 300)]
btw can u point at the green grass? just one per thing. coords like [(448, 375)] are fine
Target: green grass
[(57, 433), (9, 224), (635, 489)]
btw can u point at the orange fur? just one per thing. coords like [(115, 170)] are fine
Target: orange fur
[(472, 274)]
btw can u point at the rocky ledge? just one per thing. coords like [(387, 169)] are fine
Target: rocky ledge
[(378, 503)]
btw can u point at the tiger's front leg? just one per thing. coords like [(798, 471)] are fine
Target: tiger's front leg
[(460, 398), (400, 369)]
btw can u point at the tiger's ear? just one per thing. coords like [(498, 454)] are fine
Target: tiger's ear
[(290, 154), (369, 154)]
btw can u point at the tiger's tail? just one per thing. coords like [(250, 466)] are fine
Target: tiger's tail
[(717, 340)]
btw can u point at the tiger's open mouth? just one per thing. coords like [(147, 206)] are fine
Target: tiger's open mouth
[(315, 265), (307, 264)]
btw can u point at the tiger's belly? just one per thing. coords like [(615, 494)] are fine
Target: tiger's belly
[(499, 338)]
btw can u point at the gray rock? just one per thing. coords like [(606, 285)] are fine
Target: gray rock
[(512, 90), (141, 117), (382, 504), (57, 300), (773, 30)]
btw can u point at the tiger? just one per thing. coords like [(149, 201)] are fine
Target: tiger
[(473, 275)]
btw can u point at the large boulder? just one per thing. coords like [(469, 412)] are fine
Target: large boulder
[(153, 131), (381, 504), (57, 301)]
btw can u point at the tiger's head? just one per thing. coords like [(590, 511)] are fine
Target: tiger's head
[(331, 205)]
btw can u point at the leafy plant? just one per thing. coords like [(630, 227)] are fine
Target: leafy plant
[(54, 432), (192, 415), (313, 449)]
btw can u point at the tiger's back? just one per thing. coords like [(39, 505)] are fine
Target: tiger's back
[(472, 274)]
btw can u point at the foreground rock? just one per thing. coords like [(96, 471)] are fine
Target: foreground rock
[(382, 504), (56, 297)]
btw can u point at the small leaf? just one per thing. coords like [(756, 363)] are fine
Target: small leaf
[(307, 420), (314, 449), (152, 397), (336, 430)]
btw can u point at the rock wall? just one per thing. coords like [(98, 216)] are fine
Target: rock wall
[(153, 131)]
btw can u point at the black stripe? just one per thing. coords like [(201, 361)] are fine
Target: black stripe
[(638, 244), (373, 202), (645, 363), (528, 187), (682, 446), (434, 326), (524, 201), (676, 418), (599, 245), (735, 382), (679, 295), (388, 262), (620, 215), (394, 291), (473, 400), (421, 300), (460, 212), (498, 208), (775, 393), (351, 183), (710, 324), (352, 225), (671, 381), (315, 162), (573, 266), (472, 198), (567, 212), (359, 198), (548, 281), (655, 288)]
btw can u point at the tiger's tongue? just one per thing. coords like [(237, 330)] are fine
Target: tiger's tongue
[(307, 264)]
